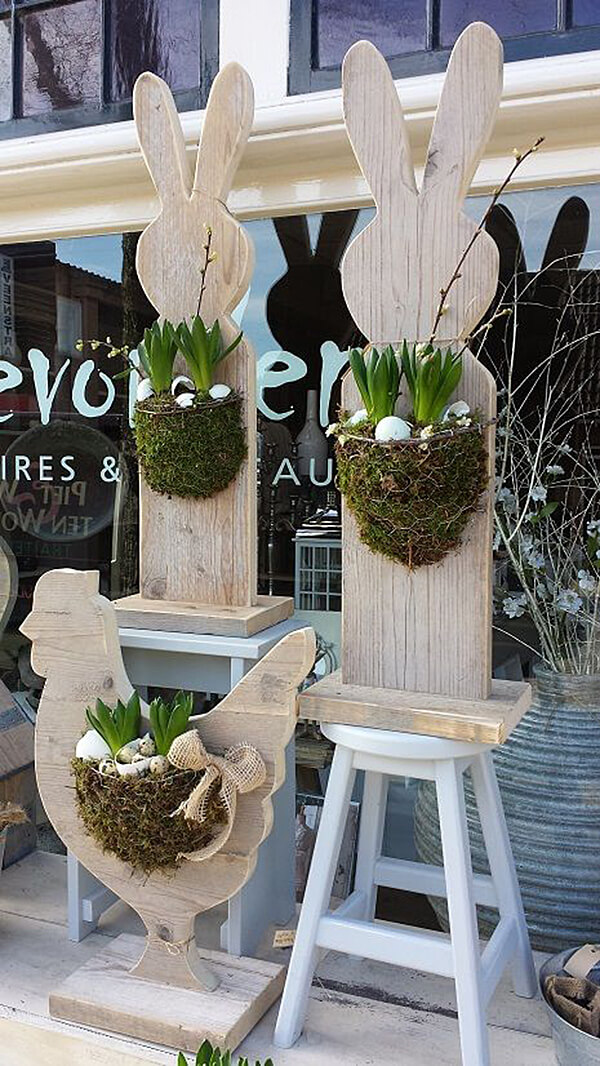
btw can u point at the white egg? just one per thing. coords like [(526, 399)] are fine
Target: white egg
[(358, 416), (456, 410), (133, 769), (392, 428), (181, 380), (219, 392), (92, 746), (144, 389), (185, 399)]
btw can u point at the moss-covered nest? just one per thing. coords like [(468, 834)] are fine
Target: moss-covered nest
[(131, 816), (412, 499), (193, 451)]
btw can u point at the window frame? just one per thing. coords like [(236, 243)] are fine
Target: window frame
[(107, 110), (304, 78)]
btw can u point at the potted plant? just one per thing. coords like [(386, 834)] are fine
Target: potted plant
[(131, 796), (213, 1056), (189, 432), (548, 530), (412, 483)]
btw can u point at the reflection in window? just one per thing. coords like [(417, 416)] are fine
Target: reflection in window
[(62, 57), (158, 35), (511, 18), (586, 12), (395, 28)]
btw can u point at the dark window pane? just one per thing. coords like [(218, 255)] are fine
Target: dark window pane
[(395, 27), (158, 35), (5, 70), (586, 12), (62, 57), (511, 18)]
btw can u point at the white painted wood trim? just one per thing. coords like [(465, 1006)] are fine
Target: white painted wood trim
[(93, 180), (256, 33)]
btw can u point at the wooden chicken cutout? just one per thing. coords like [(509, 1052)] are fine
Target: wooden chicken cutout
[(427, 630), (199, 551), (76, 648)]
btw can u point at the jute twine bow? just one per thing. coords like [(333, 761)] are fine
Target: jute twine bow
[(240, 769)]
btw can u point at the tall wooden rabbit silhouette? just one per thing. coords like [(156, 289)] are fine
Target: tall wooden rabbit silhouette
[(199, 551), (429, 629), (76, 647)]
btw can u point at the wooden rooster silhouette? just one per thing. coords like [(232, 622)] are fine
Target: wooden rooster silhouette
[(75, 640)]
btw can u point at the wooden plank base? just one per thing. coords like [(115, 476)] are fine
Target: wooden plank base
[(104, 995), (486, 721), (136, 612)]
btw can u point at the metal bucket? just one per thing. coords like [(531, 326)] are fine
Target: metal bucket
[(549, 777), (571, 1046)]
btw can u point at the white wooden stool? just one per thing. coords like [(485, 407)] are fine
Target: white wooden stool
[(351, 928)]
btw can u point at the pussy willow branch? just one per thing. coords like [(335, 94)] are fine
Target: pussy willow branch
[(205, 266), (519, 160)]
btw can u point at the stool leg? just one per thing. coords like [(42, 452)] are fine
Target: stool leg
[(502, 867), (316, 898), (463, 916), (372, 820)]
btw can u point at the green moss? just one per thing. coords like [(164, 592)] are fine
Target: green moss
[(191, 452), (131, 816), (412, 503)]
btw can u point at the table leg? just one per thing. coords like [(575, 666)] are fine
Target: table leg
[(269, 897), (87, 899)]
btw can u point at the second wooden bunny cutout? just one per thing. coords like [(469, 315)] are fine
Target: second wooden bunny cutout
[(394, 269), (428, 629)]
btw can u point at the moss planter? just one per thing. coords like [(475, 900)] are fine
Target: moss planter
[(131, 817), (412, 499), (190, 452)]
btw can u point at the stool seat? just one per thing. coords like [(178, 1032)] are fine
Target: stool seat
[(390, 744), (352, 928)]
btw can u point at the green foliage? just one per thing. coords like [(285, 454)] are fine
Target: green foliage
[(189, 453), (210, 1056), (119, 726), (157, 353), (431, 376), (168, 722), (203, 349), (413, 501), (377, 376)]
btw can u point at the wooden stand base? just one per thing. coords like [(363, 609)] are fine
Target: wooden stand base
[(136, 612), (104, 995), (486, 721)]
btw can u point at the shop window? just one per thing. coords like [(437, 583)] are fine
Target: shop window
[(417, 35), (67, 63), (51, 404)]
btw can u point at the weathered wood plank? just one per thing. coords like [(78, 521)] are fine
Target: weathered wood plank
[(135, 612), (482, 721)]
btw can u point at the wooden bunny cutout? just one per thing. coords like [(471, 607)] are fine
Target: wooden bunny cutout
[(76, 648), (199, 551), (427, 630)]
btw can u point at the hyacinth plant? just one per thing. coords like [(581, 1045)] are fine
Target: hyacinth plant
[(377, 377), (547, 506)]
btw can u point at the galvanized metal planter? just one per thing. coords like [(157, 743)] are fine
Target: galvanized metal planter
[(571, 1046), (549, 777)]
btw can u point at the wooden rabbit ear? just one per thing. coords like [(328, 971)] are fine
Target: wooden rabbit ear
[(161, 137), (294, 238), (334, 233), (569, 236), (227, 124), (466, 111), (368, 89)]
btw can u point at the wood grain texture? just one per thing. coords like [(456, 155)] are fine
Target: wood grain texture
[(199, 550), (393, 270), (103, 994), (76, 647), (135, 612), (427, 630), (485, 721)]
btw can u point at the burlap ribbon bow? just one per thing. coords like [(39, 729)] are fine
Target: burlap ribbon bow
[(240, 769)]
